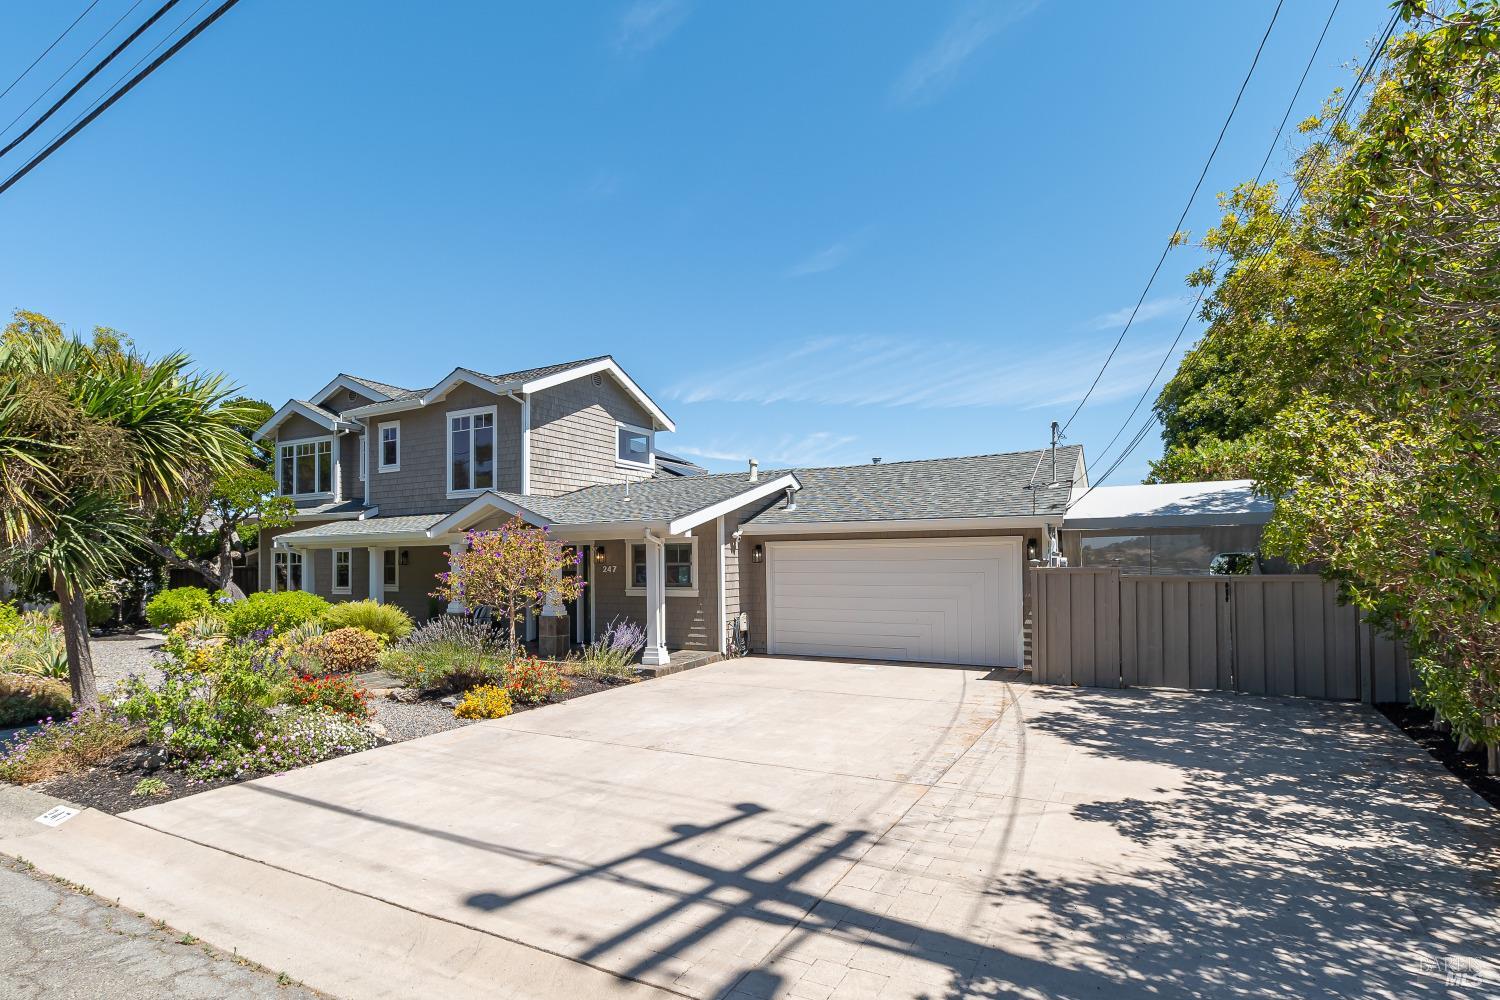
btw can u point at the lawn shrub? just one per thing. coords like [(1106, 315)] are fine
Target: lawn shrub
[(10, 618), (612, 656), (345, 650), (25, 699), (67, 747), (532, 681), (448, 653), (334, 692), (385, 620), (204, 628), (273, 613), (176, 605), (35, 646), (293, 738), (209, 703), (488, 701)]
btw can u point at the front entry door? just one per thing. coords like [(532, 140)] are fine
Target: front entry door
[(578, 611)]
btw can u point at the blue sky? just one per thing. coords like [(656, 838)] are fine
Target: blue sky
[(816, 233)]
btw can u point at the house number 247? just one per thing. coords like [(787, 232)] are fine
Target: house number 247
[(606, 568)]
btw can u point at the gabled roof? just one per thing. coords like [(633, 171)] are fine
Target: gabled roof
[(303, 408), (674, 504), (526, 380), (378, 391), (1010, 485), (1230, 501), (383, 389)]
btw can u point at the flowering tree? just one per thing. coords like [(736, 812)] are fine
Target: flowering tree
[(512, 570)]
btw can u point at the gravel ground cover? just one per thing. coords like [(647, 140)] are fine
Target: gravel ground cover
[(116, 657)]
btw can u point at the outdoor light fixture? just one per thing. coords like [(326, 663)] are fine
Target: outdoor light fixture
[(405, 556), (599, 554), (1031, 548), (758, 553)]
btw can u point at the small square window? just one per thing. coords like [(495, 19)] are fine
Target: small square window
[(633, 446)]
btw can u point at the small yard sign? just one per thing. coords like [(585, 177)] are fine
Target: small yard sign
[(56, 816)]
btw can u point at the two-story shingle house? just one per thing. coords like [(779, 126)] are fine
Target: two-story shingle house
[(903, 560)]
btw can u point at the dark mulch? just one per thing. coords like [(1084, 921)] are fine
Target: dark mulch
[(107, 787), (1468, 767)]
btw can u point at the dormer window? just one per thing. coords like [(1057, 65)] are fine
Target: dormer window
[(306, 467), (633, 446)]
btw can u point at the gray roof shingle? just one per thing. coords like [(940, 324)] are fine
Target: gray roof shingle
[(649, 500), (409, 524), (390, 391), (974, 486), (528, 374)]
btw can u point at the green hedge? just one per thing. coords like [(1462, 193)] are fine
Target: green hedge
[(278, 612), (178, 604)]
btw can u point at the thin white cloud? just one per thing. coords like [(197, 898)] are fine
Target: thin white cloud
[(827, 258), (1150, 309), (937, 66), (923, 373), (645, 24), (815, 448)]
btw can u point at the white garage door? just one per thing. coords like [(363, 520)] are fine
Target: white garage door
[(951, 600)]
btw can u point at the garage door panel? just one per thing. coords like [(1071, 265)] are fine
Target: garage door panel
[(943, 601)]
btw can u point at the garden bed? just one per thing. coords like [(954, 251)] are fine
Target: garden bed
[(1468, 767), (108, 787)]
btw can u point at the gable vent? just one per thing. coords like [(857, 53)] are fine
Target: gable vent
[(598, 379), (351, 395)]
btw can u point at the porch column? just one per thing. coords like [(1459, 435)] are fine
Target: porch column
[(377, 575), (552, 628), (655, 653), (455, 607), (273, 567), (307, 568)]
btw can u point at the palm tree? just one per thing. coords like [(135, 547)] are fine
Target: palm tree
[(92, 440)]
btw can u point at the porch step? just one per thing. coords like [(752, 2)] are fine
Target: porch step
[(682, 660)]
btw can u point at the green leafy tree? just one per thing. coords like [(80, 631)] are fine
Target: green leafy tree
[(93, 440), (512, 570), (202, 531), (1352, 360)]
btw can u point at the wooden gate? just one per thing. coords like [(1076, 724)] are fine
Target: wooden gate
[(1276, 635)]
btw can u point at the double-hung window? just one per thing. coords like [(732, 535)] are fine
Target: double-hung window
[(306, 467), (342, 571), (679, 578), (287, 569), (391, 569), (471, 450), (390, 446)]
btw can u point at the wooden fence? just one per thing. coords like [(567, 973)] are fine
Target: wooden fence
[(1276, 635), (248, 578)]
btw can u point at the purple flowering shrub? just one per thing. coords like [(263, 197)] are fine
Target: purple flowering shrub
[(612, 656), (65, 747), (294, 737), (448, 653)]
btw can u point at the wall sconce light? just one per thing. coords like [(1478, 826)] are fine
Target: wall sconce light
[(599, 554), (758, 553), (1030, 549), (405, 556)]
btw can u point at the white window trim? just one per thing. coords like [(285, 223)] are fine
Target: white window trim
[(364, 456), (286, 557), (334, 581), (380, 446), (621, 463), (333, 466), (494, 412), (634, 591), (395, 564)]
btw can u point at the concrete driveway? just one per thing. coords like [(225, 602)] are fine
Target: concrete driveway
[(776, 827)]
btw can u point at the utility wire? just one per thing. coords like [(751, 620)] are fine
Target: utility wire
[(1140, 435), (57, 143), (1286, 116), (98, 68), (49, 48), (1172, 240)]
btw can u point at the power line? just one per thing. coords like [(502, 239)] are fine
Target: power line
[(1140, 435), (48, 49), (98, 68), (80, 125), (1172, 240), (1286, 116)]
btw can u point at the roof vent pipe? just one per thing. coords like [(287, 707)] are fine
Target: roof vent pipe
[(875, 460), (754, 471), (791, 498)]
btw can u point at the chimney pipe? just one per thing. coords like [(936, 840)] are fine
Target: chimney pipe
[(754, 471), (875, 460)]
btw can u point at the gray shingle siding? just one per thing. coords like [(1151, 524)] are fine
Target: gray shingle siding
[(421, 485), (573, 435), (297, 427)]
